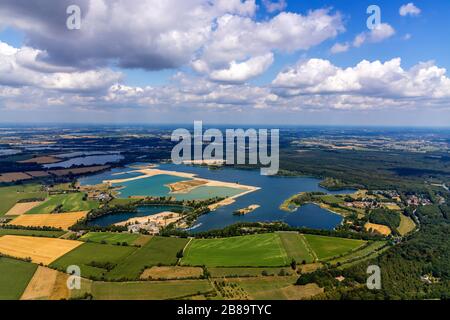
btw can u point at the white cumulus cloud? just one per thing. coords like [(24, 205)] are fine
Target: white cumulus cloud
[(374, 79), (273, 6), (241, 72), (152, 34), (21, 67), (209, 35), (378, 34), (340, 47), (238, 38), (409, 9)]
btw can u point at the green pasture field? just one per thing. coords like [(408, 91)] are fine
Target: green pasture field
[(159, 250), (31, 233), (365, 259), (85, 289), (295, 247), (9, 196), (261, 250), (87, 253), (329, 247), (150, 290), (14, 277), (110, 237), (331, 199), (71, 202), (359, 255), (233, 272)]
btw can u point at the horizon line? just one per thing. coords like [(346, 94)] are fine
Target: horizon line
[(54, 123)]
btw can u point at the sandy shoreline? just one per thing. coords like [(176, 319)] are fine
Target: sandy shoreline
[(162, 219), (247, 210), (152, 171), (146, 173)]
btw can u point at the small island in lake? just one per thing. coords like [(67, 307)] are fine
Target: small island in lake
[(247, 210)]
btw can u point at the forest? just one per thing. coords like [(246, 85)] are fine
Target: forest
[(418, 267)]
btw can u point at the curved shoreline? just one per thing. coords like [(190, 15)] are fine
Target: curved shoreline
[(151, 172)]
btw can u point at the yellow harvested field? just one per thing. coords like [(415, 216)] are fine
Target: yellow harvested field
[(172, 273), (55, 220), (406, 225), (47, 284), (21, 208), (39, 250), (381, 229)]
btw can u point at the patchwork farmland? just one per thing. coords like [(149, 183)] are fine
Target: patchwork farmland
[(124, 266), (158, 251), (71, 202), (22, 208), (94, 259), (10, 196), (113, 262)]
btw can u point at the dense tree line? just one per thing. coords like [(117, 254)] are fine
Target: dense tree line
[(14, 227), (385, 217)]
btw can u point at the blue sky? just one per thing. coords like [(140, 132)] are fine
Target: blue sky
[(226, 61), (427, 31), (426, 43)]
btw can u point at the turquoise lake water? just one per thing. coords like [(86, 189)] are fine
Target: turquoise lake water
[(274, 190), (157, 186)]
